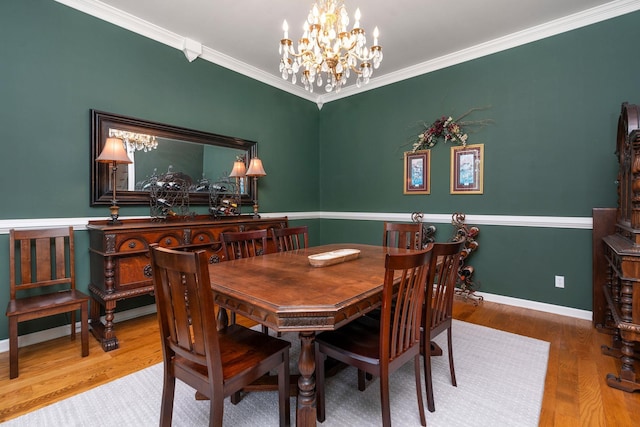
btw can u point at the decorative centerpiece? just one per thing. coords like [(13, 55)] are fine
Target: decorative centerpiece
[(334, 257), (449, 130)]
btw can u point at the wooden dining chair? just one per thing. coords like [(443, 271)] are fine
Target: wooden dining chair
[(402, 235), (380, 347), (290, 238), (215, 363), (438, 307), (243, 244), (406, 235), (42, 283)]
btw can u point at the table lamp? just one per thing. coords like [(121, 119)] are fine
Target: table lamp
[(239, 171), (114, 152), (255, 170)]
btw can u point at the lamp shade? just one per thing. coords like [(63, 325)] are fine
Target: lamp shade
[(255, 168), (113, 151), (239, 169)]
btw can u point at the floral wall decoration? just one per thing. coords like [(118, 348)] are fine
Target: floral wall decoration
[(450, 130)]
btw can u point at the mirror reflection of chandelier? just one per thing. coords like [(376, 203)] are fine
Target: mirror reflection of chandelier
[(328, 48), (137, 141)]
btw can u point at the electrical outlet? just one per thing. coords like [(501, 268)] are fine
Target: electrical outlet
[(559, 281)]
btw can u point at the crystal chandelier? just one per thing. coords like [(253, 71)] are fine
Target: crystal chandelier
[(138, 141), (328, 50)]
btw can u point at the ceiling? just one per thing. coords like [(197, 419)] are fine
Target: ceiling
[(417, 36)]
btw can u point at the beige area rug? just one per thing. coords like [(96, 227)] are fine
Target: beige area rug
[(500, 383)]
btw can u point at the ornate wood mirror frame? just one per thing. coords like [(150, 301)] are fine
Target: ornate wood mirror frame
[(217, 151)]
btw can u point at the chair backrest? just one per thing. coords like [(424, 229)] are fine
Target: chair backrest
[(244, 244), (41, 258), (402, 235), (441, 282), (288, 239), (185, 308), (402, 300)]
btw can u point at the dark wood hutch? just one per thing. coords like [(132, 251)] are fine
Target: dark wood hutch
[(119, 259), (622, 253)]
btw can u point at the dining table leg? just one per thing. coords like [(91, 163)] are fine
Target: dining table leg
[(306, 407)]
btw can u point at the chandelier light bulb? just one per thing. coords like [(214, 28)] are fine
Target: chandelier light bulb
[(328, 47)]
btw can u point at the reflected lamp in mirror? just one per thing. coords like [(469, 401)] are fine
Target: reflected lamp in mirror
[(255, 170), (114, 153), (239, 172)]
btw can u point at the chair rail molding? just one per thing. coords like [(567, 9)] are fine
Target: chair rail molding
[(585, 223)]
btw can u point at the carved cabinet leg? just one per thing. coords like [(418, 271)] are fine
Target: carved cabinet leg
[(109, 341), (104, 331), (627, 380)]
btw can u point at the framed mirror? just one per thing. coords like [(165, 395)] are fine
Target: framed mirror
[(158, 149)]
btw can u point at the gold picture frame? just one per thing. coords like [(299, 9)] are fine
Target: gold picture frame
[(417, 171), (467, 165)]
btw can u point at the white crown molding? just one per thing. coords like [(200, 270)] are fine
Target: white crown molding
[(233, 64), (567, 23), (582, 223), (192, 49)]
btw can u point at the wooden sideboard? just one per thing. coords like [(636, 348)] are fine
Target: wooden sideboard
[(622, 253), (119, 258)]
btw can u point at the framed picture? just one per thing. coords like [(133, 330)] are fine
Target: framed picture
[(467, 169), (417, 169)]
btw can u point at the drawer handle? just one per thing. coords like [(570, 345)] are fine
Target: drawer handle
[(132, 245), (148, 271), (167, 241)]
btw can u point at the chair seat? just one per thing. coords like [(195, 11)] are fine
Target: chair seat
[(243, 350), (246, 345), (359, 340), (51, 301)]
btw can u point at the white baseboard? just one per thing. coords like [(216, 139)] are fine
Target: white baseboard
[(539, 306), (61, 331)]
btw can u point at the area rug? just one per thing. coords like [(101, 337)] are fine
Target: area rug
[(500, 383)]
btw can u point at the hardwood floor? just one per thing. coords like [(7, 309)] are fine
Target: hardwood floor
[(575, 390)]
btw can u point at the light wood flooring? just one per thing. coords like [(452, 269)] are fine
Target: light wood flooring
[(575, 390)]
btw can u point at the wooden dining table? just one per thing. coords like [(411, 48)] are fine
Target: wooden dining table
[(284, 292)]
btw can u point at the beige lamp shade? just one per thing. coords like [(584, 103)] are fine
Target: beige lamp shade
[(239, 170), (255, 168), (113, 152)]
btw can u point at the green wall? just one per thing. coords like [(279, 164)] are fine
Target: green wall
[(555, 105), (58, 63)]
